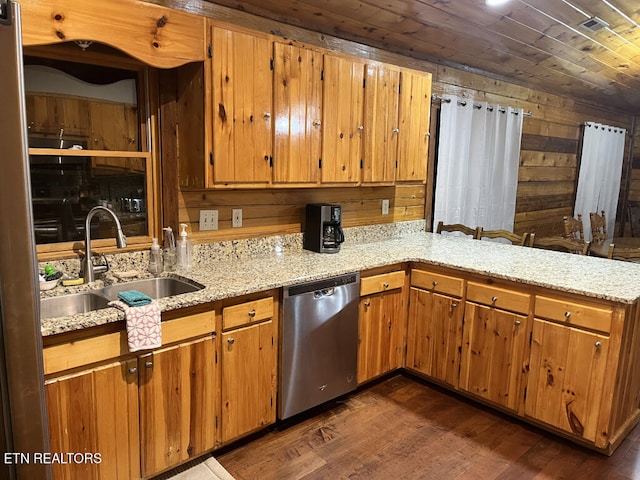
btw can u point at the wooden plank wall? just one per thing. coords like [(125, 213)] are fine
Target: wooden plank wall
[(281, 211), (548, 161), (551, 140)]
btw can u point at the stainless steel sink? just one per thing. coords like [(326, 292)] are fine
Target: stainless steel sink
[(65, 305), (84, 302), (154, 287)]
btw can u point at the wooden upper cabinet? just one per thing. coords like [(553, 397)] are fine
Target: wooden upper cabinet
[(342, 120), (156, 35), (380, 136), (298, 114), (413, 135), (242, 91)]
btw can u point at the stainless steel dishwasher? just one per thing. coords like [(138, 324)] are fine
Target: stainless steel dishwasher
[(319, 342)]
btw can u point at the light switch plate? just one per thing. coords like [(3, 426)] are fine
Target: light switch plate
[(208, 220), (385, 207), (236, 217)]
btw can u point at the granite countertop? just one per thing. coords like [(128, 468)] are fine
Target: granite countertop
[(224, 278)]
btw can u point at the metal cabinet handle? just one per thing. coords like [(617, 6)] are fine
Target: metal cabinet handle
[(454, 305), (317, 123), (231, 341), (385, 285), (267, 115), (567, 314), (252, 313), (367, 303), (494, 299), (598, 344), (360, 127), (148, 364), (517, 323), (435, 284), (396, 130), (133, 370)]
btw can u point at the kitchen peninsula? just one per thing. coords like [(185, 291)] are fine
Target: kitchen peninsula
[(568, 342)]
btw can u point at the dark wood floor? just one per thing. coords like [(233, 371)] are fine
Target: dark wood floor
[(404, 429)]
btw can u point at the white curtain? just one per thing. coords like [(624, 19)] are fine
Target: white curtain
[(600, 173), (478, 158)]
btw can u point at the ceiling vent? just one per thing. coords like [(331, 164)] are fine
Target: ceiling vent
[(594, 24)]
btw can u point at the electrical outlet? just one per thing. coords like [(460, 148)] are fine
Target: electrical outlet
[(385, 207), (236, 217), (208, 220)]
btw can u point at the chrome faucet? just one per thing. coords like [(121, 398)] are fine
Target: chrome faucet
[(88, 268)]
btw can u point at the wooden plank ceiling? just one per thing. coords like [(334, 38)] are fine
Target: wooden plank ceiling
[(537, 43)]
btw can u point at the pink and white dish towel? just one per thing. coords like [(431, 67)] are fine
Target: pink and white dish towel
[(144, 329)]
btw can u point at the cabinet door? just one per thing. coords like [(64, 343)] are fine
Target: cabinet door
[(242, 89), (113, 127), (434, 335), (492, 354), (96, 411), (380, 136), (381, 333), (249, 372), (413, 138), (342, 120), (566, 375), (54, 115), (177, 417), (297, 110)]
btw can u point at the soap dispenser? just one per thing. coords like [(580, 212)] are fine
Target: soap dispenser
[(183, 249), (169, 253), (155, 258)]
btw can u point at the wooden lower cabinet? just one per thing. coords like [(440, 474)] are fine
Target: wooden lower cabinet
[(381, 331), (177, 406), (566, 378), (434, 335), (249, 375), (493, 354), (95, 412)]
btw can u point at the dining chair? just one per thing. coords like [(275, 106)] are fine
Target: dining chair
[(633, 211), (514, 238), (628, 254), (598, 227), (573, 228), (458, 227), (560, 244)]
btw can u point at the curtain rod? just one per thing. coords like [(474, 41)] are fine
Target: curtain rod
[(435, 96)]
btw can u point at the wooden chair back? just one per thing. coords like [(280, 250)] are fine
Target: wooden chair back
[(598, 227), (560, 244), (458, 227), (573, 228), (633, 211), (514, 238), (628, 254)]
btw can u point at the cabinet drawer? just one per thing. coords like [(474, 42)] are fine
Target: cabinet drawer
[(247, 313), (574, 313), (437, 283), (105, 347), (381, 283), (498, 297)]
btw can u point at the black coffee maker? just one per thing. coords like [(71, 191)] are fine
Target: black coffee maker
[(322, 228)]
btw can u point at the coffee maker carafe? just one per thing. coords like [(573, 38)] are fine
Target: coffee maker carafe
[(322, 229)]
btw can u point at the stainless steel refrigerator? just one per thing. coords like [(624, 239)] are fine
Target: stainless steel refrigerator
[(22, 409)]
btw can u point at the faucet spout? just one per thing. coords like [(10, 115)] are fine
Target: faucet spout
[(89, 269)]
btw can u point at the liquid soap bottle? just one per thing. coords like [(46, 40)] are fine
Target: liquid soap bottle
[(183, 249), (169, 253), (155, 258)]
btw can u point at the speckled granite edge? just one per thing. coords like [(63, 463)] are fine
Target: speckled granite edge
[(593, 277)]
